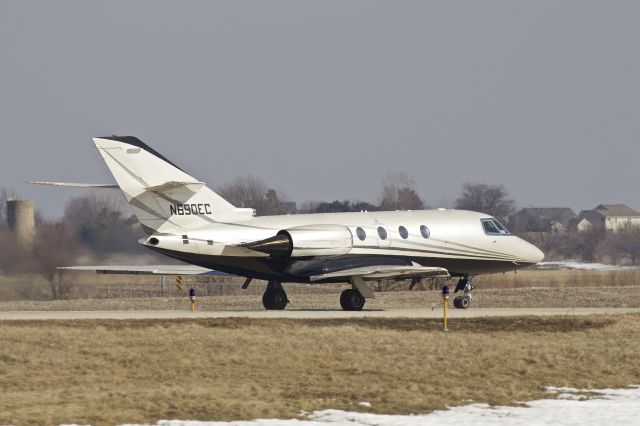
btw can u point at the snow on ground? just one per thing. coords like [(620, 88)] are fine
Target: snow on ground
[(571, 407), (574, 264)]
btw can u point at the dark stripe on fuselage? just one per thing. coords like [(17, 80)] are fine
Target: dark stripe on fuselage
[(391, 250)]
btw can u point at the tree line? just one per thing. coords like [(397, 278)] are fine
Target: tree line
[(398, 192), (93, 226), (101, 224), (96, 226)]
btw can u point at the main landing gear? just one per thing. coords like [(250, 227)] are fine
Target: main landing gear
[(464, 301), (274, 297), (352, 300)]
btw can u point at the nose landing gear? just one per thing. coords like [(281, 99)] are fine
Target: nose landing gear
[(464, 301)]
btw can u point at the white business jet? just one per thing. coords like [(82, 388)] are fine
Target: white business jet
[(186, 220)]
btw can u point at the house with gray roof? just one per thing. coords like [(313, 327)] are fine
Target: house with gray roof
[(610, 217), (541, 219)]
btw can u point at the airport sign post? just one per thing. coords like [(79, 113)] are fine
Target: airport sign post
[(445, 303)]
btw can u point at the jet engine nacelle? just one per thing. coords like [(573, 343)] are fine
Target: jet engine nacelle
[(319, 240), (306, 241)]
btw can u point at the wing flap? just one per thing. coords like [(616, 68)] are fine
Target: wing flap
[(386, 271)]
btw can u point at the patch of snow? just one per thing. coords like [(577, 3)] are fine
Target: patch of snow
[(365, 404), (595, 407), (574, 264)]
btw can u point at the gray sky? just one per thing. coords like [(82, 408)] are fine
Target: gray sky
[(321, 99)]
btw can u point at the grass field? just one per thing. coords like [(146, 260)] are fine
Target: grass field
[(110, 372), (32, 287), (610, 297)]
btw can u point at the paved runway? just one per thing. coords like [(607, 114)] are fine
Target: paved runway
[(310, 314)]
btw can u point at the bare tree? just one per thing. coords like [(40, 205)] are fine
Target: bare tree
[(337, 206), (251, 192), (490, 199), (244, 191), (622, 246), (55, 246), (10, 255), (98, 221), (399, 193), (309, 206), (79, 208), (5, 194)]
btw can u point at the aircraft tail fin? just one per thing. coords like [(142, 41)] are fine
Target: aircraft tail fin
[(163, 197)]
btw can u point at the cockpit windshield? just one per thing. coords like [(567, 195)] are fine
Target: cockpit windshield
[(494, 227)]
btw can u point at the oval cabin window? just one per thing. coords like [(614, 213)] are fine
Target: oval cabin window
[(403, 232), (382, 233)]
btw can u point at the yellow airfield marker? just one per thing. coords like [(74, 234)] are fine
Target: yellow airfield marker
[(192, 297), (445, 305)]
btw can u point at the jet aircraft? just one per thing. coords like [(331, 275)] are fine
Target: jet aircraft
[(184, 219)]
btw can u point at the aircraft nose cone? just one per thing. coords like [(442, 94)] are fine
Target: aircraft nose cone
[(534, 255)]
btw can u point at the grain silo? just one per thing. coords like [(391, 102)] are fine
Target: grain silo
[(21, 219)]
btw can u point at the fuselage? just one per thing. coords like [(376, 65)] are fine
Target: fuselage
[(463, 242)]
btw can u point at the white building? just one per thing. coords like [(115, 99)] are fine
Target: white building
[(610, 217)]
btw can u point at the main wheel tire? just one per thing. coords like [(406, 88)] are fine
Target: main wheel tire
[(357, 301), (266, 300), (456, 302), (274, 299), (352, 300), (465, 302), (345, 296)]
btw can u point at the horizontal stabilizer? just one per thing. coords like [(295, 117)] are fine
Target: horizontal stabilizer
[(386, 271), (147, 270), (79, 185)]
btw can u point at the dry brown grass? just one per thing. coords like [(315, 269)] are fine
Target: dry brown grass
[(562, 278), (108, 372), (91, 286), (610, 297)]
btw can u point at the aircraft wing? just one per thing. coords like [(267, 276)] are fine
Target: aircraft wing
[(147, 270), (386, 271)]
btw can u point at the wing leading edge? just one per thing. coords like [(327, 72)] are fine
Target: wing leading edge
[(78, 185), (147, 270)]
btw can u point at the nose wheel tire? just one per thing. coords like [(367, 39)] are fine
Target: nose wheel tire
[(462, 302), (352, 300), (456, 302), (274, 298), (465, 286)]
